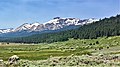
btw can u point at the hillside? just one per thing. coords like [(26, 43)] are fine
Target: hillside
[(105, 27)]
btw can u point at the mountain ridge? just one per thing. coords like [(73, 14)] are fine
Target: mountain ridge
[(54, 24)]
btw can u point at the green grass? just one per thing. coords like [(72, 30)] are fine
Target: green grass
[(79, 47), (44, 51)]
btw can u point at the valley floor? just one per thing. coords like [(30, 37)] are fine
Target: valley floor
[(101, 52)]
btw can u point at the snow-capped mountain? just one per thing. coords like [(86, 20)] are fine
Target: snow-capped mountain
[(27, 26), (54, 24), (6, 30)]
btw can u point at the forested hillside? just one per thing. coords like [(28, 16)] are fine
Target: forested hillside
[(105, 27)]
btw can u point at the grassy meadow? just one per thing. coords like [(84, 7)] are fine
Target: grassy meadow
[(87, 50)]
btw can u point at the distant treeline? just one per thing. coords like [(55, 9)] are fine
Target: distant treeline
[(105, 27)]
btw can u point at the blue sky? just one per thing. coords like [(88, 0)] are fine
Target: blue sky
[(13, 13)]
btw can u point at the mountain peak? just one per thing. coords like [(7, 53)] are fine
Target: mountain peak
[(36, 23), (56, 18)]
